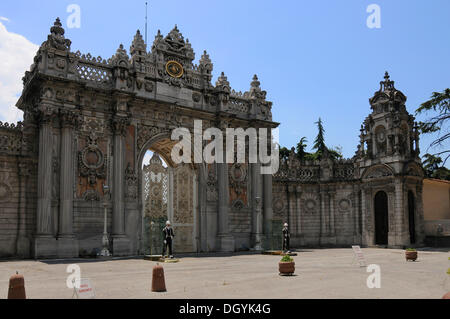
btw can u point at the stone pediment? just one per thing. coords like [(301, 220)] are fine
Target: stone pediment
[(377, 172)]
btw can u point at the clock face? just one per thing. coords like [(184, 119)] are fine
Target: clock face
[(174, 69)]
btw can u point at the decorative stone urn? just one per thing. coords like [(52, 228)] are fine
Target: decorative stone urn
[(411, 255), (286, 266)]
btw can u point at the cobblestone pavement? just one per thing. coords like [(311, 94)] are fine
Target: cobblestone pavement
[(320, 273)]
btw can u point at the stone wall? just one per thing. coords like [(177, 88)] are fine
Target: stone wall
[(18, 178)]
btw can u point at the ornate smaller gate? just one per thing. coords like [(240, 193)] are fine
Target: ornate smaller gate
[(156, 200)]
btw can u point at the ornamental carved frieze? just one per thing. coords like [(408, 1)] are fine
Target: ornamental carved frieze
[(344, 205), (145, 133), (378, 172), (211, 184), (131, 182), (310, 203), (119, 125), (47, 116), (92, 124), (92, 161), (70, 119), (183, 194), (238, 178)]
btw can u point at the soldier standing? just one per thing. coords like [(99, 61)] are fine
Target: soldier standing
[(168, 239), (286, 237)]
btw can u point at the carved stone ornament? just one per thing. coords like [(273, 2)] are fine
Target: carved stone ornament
[(196, 97), (238, 178), (92, 161), (131, 191), (119, 126), (211, 183), (149, 86), (344, 205), (278, 205), (145, 133), (378, 172)]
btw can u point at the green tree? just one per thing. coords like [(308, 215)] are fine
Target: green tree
[(319, 142), (284, 153), (301, 148), (433, 167), (440, 104), (321, 148)]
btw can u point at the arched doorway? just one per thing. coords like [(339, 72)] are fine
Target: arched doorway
[(169, 193), (411, 215), (381, 218)]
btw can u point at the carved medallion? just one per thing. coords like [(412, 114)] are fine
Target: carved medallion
[(174, 69), (92, 161), (344, 205)]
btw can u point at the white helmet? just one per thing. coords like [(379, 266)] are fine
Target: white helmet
[(167, 223), (286, 225)]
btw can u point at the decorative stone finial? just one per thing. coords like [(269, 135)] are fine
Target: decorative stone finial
[(222, 83), (205, 62), (56, 37), (138, 44), (255, 89), (387, 84), (255, 83), (57, 28)]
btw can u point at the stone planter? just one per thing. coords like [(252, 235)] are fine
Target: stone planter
[(286, 268), (411, 255)]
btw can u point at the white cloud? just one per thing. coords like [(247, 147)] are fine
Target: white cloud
[(16, 56), (4, 19)]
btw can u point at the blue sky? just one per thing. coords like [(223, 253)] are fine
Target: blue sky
[(314, 58)]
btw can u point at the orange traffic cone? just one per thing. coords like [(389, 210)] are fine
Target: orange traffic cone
[(158, 281), (16, 287)]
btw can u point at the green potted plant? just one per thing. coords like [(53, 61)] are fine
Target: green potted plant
[(286, 266), (411, 254)]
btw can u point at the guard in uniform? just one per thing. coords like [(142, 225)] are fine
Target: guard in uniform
[(168, 239), (286, 237)]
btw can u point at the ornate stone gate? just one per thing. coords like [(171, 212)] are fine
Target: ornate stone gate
[(88, 122)]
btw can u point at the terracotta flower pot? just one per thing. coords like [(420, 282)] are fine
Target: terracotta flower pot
[(411, 255), (286, 268)]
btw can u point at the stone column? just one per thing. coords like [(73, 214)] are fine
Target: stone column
[(170, 212), (67, 244), (257, 216), (323, 219), (292, 209), (299, 214), (419, 218), (367, 218), (401, 235), (23, 243), (45, 242), (120, 241), (226, 240), (267, 198), (332, 213)]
